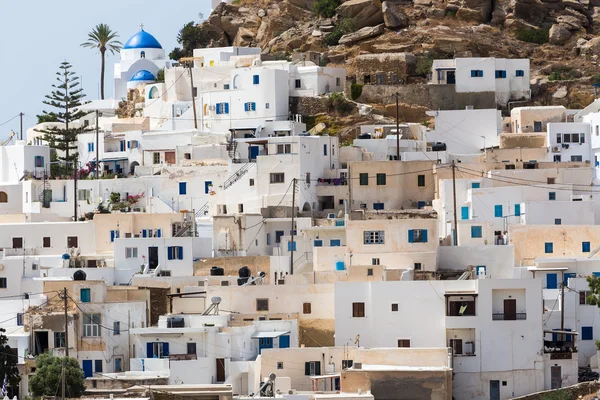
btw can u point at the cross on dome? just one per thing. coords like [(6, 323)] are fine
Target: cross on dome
[(141, 26)]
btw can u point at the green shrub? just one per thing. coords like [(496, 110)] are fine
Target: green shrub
[(561, 73), (326, 8), (596, 78), (345, 26), (538, 36), (333, 38), (355, 90), (339, 103), (424, 64)]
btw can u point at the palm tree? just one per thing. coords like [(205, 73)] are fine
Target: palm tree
[(103, 39)]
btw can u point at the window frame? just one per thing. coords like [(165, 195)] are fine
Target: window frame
[(358, 310), (262, 305), (374, 237)]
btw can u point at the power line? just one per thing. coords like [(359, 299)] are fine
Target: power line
[(6, 122)]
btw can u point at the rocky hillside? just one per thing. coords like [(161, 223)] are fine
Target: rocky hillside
[(557, 35)]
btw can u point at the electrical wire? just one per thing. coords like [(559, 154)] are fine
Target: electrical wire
[(6, 122)]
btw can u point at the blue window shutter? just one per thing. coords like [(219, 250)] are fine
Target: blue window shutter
[(129, 144), (290, 246), (517, 210), (149, 350), (253, 106), (411, 236), (464, 212), (548, 247), (551, 281), (245, 106), (480, 73), (318, 243), (206, 186), (587, 333), (165, 349), (180, 252), (112, 236), (504, 74), (324, 149), (473, 73), (160, 233), (226, 108), (335, 243), (169, 253), (182, 188), (475, 185), (256, 79), (498, 211), (144, 233), (585, 247), (424, 236)]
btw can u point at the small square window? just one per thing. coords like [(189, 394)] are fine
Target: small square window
[(551, 181), (504, 383), (548, 247), (585, 247), (358, 310), (251, 182), (557, 221), (418, 266), (369, 271), (262, 304), (267, 106), (279, 365), (47, 242), (421, 180), (552, 196), (306, 308), (364, 179), (381, 179), (394, 307)]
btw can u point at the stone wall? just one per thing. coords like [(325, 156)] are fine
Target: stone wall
[(417, 94), (571, 392), (231, 265), (309, 105), (444, 97), (392, 67), (159, 304)]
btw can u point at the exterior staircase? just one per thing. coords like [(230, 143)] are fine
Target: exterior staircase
[(236, 176)]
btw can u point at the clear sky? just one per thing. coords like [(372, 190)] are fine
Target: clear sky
[(37, 35)]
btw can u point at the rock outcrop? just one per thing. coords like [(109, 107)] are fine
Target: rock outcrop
[(362, 34), (393, 16), (362, 12)]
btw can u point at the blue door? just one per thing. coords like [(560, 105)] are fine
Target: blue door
[(567, 276), (464, 212), (207, 185), (182, 188), (149, 350), (284, 341), (254, 152), (551, 281), (265, 343), (87, 368), (420, 205)]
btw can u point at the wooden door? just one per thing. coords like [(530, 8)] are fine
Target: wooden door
[(510, 309), (170, 157), (555, 377)]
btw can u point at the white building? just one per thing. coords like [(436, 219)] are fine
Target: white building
[(507, 78), (569, 142)]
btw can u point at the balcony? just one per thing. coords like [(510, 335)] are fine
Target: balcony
[(560, 349), (509, 317), (182, 357)]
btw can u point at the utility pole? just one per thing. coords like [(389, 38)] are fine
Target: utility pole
[(562, 303), (75, 199), (62, 378), (21, 118), (97, 147), (293, 213), (455, 233), (193, 95), (66, 323), (397, 128)]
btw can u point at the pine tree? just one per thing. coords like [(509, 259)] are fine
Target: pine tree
[(66, 97), (8, 362)]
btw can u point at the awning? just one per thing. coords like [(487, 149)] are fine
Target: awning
[(114, 159), (272, 335), (562, 332), (461, 293)]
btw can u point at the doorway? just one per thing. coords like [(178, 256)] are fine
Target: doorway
[(220, 370), (451, 77), (153, 257), (494, 390), (510, 309), (170, 157), (555, 377), (41, 342)]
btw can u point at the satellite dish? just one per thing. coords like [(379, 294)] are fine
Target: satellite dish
[(215, 300), (272, 376)]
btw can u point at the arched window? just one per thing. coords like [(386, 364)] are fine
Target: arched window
[(143, 54), (153, 94), (237, 84), (3, 197)]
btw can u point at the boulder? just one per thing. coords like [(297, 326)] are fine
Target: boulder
[(531, 11), (393, 16), (561, 93), (559, 34), (272, 27), (423, 3), (307, 5), (449, 45), (475, 10), (591, 47), (569, 22), (244, 38), (362, 34), (261, 13), (363, 12)]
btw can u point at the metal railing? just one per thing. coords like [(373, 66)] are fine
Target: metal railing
[(237, 175), (509, 317), (203, 211)]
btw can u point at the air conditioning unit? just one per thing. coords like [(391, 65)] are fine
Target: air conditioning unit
[(357, 365), (331, 216), (556, 149)]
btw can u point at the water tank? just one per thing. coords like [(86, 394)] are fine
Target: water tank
[(217, 271), (438, 146), (242, 281), (244, 272), (79, 275), (339, 266), (364, 136), (66, 256)]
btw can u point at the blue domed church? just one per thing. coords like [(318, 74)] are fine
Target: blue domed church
[(142, 57)]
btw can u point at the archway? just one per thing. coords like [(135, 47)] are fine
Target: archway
[(237, 82), (306, 206), (3, 197), (153, 94), (143, 54), (132, 167)]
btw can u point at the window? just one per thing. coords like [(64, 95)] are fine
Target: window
[(262, 304), (358, 310), (394, 307), (47, 242), (585, 247), (520, 72), (558, 138), (369, 271), (191, 348), (347, 364), (373, 237), (116, 328), (517, 210), (3, 283), (91, 325), (537, 126), (375, 261), (277, 177), (318, 243), (155, 158), (85, 295), (131, 252), (403, 342), (278, 235), (3, 197), (39, 161), (306, 308), (583, 295), (255, 79), (335, 242), (17, 243), (90, 147), (251, 182), (498, 211), (59, 339), (20, 319), (250, 106), (222, 108), (548, 247), (557, 221), (83, 195), (240, 208), (175, 253), (587, 333), (284, 149), (417, 236), (118, 364), (381, 179), (476, 73), (417, 266), (576, 158), (338, 81), (134, 144), (121, 145), (552, 196), (182, 188), (279, 365), (457, 346), (475, 185), (476, 232), (557, 158), (267, 106), (298, 84), (500, 74), (421, 180), (550, 181), (312, 368), (324, 149), (291, 245), (364, 179)]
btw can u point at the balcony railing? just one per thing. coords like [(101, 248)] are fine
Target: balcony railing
[(182, 357), (559, 349), (509, 317)]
